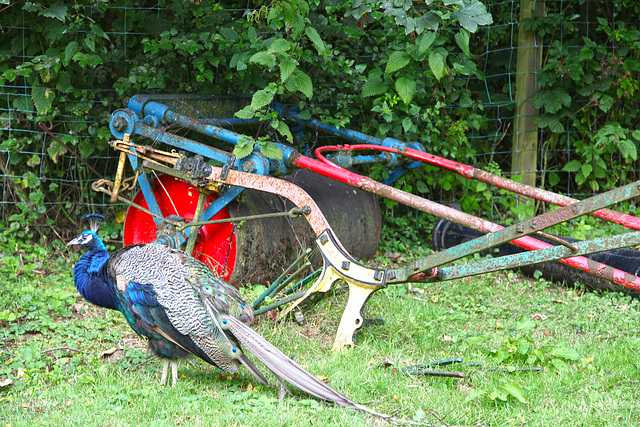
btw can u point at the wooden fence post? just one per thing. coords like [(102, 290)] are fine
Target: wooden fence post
[(525, 139)]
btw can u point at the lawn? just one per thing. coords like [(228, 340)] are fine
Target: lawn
[(64, 362)]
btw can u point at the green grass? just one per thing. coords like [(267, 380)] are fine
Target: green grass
[(52, 371)]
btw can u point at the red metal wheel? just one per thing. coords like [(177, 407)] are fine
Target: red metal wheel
[(216, 245)]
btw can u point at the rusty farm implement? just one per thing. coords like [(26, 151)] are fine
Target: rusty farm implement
[(192, 190)]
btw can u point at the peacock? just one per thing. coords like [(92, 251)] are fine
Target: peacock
[(183, 309)]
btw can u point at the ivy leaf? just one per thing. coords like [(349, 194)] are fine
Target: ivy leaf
[(261, 98), (406, 88), (436, 63), (472, 14), (316, 40), (57, 10), (300, 81), (374, 85), (462, 39), (287, 66), (42, 98), (397, 60), (263, 58)]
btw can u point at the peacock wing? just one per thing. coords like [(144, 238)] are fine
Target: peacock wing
[(179, 312)]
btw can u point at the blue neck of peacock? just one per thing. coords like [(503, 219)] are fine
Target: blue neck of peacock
[(92, 281)]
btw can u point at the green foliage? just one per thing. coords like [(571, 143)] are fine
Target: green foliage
[(345, 63), (53, 367), (589, 92)]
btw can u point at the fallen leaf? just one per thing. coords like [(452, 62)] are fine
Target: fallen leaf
[(68, 402), (77, 307), (113, 354), (446, 338), (393, 256), (539, 316), (4, 383)]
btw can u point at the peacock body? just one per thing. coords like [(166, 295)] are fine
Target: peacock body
[(183, 309)]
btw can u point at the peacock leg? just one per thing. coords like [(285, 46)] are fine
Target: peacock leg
[(165, 370), (174, 371)]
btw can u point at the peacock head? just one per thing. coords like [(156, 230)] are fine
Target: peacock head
[(89, 239)]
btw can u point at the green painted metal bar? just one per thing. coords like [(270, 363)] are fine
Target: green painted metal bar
[(276, 284), (601, 244), (197, 216), (518, 230)]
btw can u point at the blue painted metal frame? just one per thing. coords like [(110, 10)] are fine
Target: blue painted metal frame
[(156, 113)]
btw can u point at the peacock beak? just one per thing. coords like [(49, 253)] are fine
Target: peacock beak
[(74, 242)]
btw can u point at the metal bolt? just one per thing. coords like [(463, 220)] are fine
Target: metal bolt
[(346, 265), (119, 124), (324, 239), (378, 275), (519, 227), (249, 166)]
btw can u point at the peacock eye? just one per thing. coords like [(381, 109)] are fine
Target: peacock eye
[(234, 350), (207, 289)]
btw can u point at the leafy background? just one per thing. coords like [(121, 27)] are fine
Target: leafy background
[(439, 72)]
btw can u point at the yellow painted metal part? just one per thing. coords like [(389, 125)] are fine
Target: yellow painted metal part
[(362, 281)]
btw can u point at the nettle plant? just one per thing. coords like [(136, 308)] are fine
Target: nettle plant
[(392, 69), (589, 96)]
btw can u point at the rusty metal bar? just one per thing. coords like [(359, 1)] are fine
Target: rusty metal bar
[(269, 184), (467, 171), (545, 255), (367, 184), (523, 228)]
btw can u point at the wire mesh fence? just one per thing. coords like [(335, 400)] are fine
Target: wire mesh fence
[(64, 151)]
